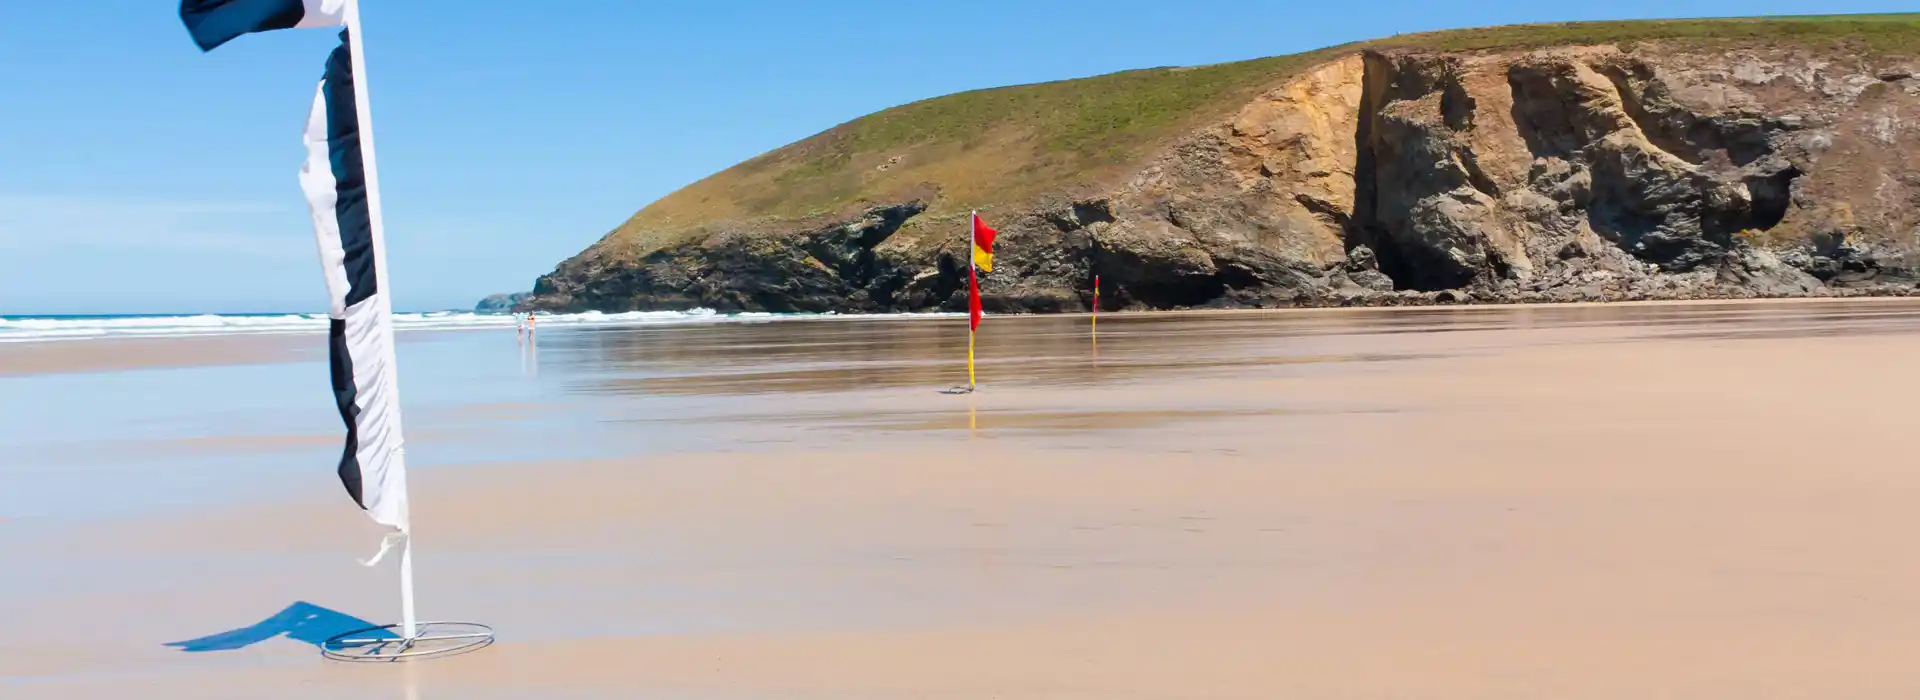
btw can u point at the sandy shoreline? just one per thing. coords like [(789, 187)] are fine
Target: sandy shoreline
[(106, 355), (1705, 508)]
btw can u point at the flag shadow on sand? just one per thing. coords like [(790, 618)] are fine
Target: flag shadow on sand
[(301, 621)]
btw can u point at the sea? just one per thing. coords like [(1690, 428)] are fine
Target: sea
[(41, 328)]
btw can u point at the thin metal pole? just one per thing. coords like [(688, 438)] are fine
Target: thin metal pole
[(409, 628), (363, 115), (973, 290)]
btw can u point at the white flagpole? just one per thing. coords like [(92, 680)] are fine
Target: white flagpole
[(363, 113), (409, 626)]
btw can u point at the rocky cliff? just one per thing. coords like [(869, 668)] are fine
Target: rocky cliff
[(501, 303), (1573, 162)]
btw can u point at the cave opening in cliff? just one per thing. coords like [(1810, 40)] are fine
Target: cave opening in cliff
[(1180, 293), (1772, 197), (947, 283)]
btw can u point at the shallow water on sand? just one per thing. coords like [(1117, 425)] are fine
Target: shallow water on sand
[(1585, 501), (93, 439)]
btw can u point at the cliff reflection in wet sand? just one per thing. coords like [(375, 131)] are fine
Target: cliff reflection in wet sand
[(1041, 351)]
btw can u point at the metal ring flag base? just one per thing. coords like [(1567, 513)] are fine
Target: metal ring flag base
[(431, 639)]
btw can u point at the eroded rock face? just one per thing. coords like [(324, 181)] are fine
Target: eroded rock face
[(1579, 173), (832, 268)]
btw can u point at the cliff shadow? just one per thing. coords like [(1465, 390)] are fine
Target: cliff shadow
[(1401, 263), (1361, 227)]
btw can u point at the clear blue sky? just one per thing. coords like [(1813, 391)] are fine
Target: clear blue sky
[(138, 175)]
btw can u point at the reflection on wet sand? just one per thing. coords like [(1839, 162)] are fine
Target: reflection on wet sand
[(841, 356), (1001, 422)]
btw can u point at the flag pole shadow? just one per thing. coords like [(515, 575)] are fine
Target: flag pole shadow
[(302, 621)]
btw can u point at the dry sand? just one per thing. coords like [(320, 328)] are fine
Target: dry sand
[(1708, 509)]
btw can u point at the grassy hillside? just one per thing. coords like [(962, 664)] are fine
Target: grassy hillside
[(1011, 144)]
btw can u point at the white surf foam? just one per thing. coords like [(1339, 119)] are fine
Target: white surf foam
[(30, 329)]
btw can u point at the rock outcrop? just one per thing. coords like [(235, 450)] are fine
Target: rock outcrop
[(1660, 170), (501, 303)]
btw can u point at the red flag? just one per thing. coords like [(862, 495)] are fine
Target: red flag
[(973, 297)]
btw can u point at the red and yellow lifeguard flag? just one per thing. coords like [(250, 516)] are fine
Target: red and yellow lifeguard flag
[(981, 236), (982, 262), (982, 244)]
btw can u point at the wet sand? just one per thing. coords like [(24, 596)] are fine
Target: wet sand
[(1701, 501), (147, 353)]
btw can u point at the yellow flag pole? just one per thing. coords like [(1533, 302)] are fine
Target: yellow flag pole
[(973, 288), (971, 384), (1096, 319)]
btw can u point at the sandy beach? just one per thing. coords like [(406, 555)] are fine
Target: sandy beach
[(1661, 500), (147, 353)]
